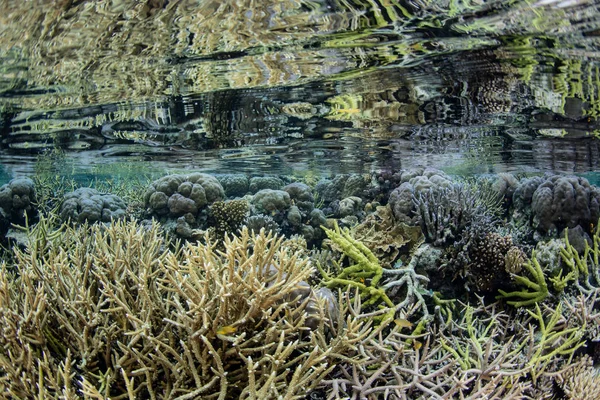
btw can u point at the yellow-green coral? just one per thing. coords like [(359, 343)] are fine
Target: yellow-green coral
[(552, 341), (533, 291), (579, 264), (364, 274)]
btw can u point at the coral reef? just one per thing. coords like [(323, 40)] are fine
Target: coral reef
[(89, 205), (118, 310)]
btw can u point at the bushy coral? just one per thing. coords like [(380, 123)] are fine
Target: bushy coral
[(228, 216), (487, 270), (111, 312), (89, 205)]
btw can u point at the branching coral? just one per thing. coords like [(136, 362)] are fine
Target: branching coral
[(419, 366), (534, 290), (581, 381), (110, 311), (584, 266), (552, 341), (366, 273)]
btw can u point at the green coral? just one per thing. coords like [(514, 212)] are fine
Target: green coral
[(583, 266), (364, 274), (534, 290), (552, 341)]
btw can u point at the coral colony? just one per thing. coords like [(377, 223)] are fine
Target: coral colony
[(405, 285)]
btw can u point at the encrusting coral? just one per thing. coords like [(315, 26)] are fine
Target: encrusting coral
[(109, 311)]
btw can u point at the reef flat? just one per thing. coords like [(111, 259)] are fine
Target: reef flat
[(409, 284)]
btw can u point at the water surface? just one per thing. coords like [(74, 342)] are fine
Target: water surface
[(311, 87)]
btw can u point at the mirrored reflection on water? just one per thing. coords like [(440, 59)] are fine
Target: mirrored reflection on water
[(316, 86)]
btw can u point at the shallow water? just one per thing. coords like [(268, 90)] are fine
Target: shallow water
[(316, 87), (323, 124)]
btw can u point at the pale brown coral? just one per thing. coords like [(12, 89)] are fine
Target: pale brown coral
[(386, 238), (581, 381), (111, 312)]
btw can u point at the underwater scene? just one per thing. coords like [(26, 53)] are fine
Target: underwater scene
[(300, 199)]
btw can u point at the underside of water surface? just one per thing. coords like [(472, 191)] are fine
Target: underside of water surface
[(300, 199), (322, 87)]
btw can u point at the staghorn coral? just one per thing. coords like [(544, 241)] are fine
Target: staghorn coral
[(584, 268), (110, 312), (533, 291), (469, 359), (366, 272), (581, 381)]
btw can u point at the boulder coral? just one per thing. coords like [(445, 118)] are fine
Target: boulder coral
[(89, 205), (17, 198), (177, 195), (555, 202)]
